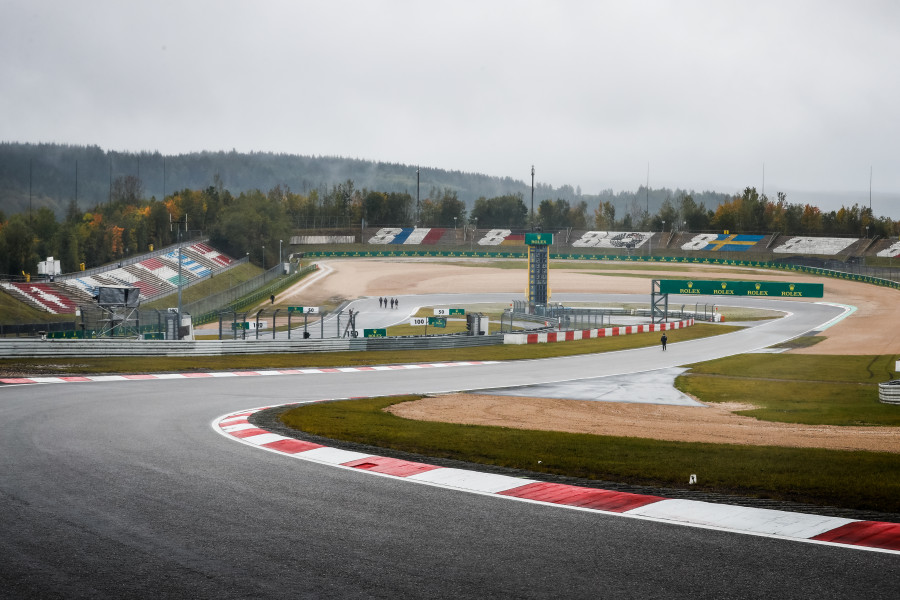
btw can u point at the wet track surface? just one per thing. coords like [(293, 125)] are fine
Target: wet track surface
[(122, 489)]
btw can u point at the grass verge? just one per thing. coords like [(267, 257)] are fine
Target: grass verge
[(860, 480), (209, 287), (798, 388)]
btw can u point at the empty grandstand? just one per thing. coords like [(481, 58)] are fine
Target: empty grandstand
[(156, 275)]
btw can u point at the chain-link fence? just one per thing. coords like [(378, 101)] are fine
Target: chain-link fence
[(248, 293)]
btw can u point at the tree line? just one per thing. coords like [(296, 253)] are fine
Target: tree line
[(752, 212), (258, 224), (36, 175)]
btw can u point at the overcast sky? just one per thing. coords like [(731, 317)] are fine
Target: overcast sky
[(795, 96)]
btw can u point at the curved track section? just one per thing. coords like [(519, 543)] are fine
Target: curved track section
[(121, 489)]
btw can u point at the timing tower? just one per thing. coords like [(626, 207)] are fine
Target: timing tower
[(538, 244)]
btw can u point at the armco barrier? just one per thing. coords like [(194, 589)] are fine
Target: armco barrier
[(569, 336), (139, 347), (889, 392)]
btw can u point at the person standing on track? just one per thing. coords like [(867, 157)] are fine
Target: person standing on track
[(663, 340)]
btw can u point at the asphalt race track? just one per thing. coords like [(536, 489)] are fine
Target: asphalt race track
[(123, 490)]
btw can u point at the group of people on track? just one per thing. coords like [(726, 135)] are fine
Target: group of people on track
[(383, 302)]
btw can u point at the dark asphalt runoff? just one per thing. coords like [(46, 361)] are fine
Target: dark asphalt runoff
[(123, 490)]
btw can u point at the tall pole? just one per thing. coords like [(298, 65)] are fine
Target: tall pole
[(647, 188), (30, 174), (870, 189), (280, 260), (532, 197), (417, 196), (178, 324)]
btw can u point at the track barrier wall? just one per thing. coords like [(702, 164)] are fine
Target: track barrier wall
[(585, 334)]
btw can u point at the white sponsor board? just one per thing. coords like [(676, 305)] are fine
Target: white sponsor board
[(700, 241), (418, 321), (385, 235), (814, 245), (494, 237), (611, 239), (299, 240), (891, 251)]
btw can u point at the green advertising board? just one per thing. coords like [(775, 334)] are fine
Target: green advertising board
[(240, 325), (307, 310), (374, 333), (457, 311), (768, 289), (437, 321), (538, 239)]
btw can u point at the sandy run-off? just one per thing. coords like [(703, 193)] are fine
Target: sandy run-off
[(868, 331), (715, 423)]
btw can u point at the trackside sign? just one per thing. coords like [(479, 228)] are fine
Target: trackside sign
[(767, 289)]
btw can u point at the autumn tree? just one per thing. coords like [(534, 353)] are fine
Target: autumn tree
[(501, 211), (128, 190), (605, 216)]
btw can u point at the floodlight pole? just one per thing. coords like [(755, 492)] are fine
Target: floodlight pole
[(532, 197), (178, 324)]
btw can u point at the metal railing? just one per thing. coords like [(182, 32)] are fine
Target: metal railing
[(142, 347), (244, 294), (131, 260)]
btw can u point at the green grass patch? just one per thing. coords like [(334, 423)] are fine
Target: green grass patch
[(803, 367), (798, 388), (862, 480), (806, 341), (453, 326), (209, 287), (161, 364)]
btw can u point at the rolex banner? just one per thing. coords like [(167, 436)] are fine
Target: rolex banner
[(768, 289)]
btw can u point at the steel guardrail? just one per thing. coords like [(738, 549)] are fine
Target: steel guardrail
[(20, 348)]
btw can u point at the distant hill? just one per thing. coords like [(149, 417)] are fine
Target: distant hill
[(53, 174)]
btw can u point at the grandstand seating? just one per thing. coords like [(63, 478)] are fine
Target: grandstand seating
[(612, 239), (703, 242), (814, 245), (153, 276), (891, 251), (410, 235), (213, 255), (42, 295), (189, 267), (503, 237), (712, 242)]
